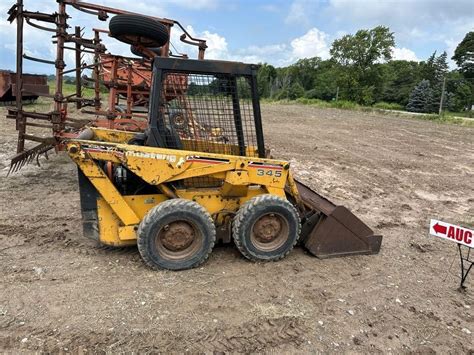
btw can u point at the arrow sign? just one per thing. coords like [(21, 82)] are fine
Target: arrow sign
[(452, 232), (440, 229)]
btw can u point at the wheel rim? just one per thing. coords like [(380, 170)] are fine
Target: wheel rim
[(269, 232), (178, 240)]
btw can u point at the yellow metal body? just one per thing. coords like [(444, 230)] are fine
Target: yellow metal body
[(241, 178)]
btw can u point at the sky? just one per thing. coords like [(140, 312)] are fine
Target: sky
[(278, 32)]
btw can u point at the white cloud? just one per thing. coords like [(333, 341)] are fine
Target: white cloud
[(313, 43), (404, 54), (270, 53), (300, 12), (216, 44)]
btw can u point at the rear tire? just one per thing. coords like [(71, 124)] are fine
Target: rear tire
[(266, 228), (176, 234), (138, 30)]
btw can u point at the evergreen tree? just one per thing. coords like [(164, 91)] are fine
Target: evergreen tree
[(435, 68), (441, 67), (421, 98)]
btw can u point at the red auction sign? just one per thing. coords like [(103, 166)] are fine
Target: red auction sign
[(452, 232)]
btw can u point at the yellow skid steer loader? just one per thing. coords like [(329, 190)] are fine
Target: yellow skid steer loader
[(200, 174)]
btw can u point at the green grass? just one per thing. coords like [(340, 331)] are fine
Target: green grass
[(447, 117), (69, 89), (44, 104), (468, 114), (388, 106), (341, 104)]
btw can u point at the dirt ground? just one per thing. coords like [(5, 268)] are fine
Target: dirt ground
[(62, 293)]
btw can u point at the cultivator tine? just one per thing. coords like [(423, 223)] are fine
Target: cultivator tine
[(26, 157)]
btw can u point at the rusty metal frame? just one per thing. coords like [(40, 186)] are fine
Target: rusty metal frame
[(58, 119)]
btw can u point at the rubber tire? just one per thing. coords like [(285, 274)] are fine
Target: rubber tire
[(148, 32), (167, 212), (134, 51), (250, 212)]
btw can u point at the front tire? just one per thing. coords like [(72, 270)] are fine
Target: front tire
[(177, 234), (266, 228)]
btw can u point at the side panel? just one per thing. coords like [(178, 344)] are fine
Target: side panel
[(88, 195), (112, 231)]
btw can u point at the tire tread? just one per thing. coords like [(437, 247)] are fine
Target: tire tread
[(141, 26), (156, 212), (246, 210)]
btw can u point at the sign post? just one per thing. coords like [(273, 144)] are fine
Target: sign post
[(463, 237)]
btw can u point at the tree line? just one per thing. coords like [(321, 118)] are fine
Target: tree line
[(361, 69)]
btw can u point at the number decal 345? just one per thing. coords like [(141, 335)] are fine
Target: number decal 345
[(269, 172)]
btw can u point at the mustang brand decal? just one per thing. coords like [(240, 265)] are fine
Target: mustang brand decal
[(158, 156)]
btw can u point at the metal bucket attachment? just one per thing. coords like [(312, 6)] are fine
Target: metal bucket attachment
[(331, 231)]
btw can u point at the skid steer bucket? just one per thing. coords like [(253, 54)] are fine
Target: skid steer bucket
[(332, 231)]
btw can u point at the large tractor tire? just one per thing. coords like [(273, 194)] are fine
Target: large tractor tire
[(176, 234), (266, 228), (138, 30)]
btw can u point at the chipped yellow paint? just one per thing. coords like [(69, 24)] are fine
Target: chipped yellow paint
[(119, 216)]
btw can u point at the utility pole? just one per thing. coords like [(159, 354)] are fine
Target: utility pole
[(337, 93), (441, 101)]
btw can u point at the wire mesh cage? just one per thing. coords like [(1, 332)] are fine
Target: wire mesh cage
[(205, 106), (208, 113)]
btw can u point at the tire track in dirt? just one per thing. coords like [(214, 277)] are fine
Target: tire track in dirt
[(53, 240), (261, 336)]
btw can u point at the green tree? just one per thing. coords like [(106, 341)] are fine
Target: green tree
[(365, 48), (460, 90), (464, 56), (243, 88), (359, 56), (296, 90), (265, 77), (402, 76), (435, 68), (304, 71), (324, 83), (420, 98)]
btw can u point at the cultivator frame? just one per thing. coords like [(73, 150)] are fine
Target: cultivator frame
[(121, 81)]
